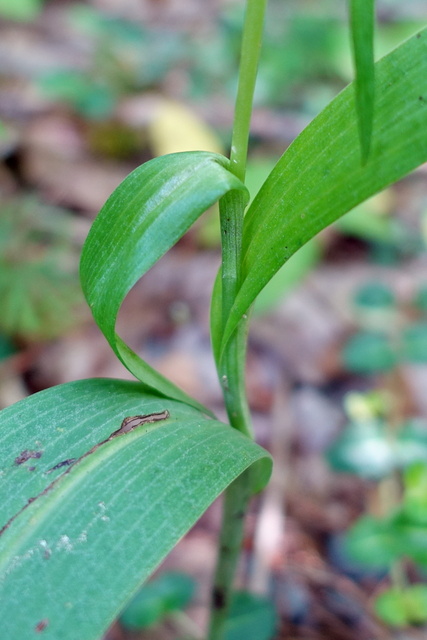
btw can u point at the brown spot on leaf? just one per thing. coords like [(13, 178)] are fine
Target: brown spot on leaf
[(128, 424), (41, 626), (63, 463), (27, 455)]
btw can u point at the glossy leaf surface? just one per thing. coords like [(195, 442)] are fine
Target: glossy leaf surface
[(103, 524), (320, 177), (143, 218)]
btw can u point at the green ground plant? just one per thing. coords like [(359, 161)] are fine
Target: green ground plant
[(125, 58), (388, 448), (390, 334), (101, 478), (165, 597), (392, 542), (39, 287)]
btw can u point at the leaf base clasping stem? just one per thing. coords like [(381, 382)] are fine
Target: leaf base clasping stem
[(232, 367)]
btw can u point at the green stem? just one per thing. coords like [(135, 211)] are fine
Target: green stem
[(251, 46), (232, 208), (231, 370), (236, 500), (232, 367)]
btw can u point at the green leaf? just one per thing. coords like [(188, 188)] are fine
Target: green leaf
[(415, 497), (373, 543), (7, 348), (411, 447), (375, 295), (289, 276), (414, 343), (24, 10), (251, 618), (87, 95), (399, 607), (319, 178), (369, 352), (362, 22), (144, 610), (390, 606), (105, 522), (409, 534), (420, 299), (176, 588), (39, 287), (375, 308), (143, 218), (364, 449), (377, 543)]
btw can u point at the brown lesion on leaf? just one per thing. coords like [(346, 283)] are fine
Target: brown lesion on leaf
[(26, 455), (131, 422), (128, 424), (41, 626), (63, 463)]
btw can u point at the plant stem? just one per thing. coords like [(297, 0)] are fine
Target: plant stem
[(232, 367), (251, 46), (231, 371), (236, 500), (232, 208)]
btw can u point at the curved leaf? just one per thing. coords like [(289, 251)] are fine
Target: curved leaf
[(362, 20), (320, 177), (106, 521), (143, 218)]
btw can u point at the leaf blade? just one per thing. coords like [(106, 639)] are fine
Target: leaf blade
[(362, 23), (319, 178), (143, 218), (113, 517)]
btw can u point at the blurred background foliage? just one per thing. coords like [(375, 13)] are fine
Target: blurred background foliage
[(38, 266)]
